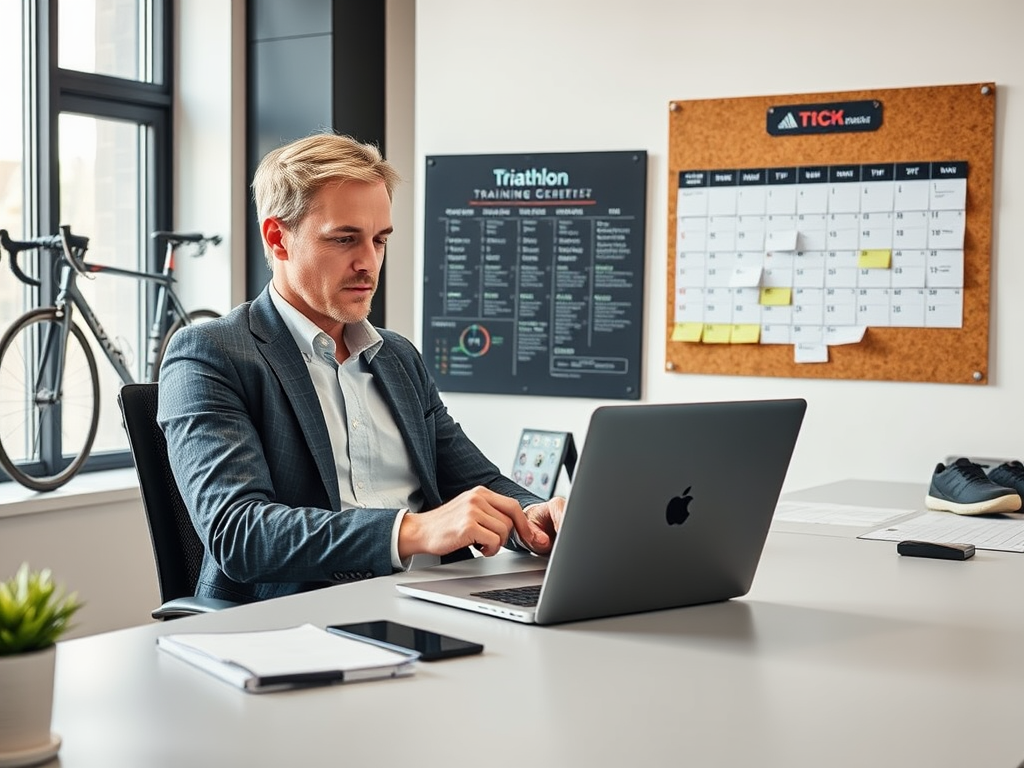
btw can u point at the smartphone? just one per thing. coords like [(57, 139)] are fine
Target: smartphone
[(389, 634)]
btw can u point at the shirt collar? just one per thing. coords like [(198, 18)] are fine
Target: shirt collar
[(360, 338)]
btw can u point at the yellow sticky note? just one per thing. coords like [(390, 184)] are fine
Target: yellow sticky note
[(746, 334), (879, 258), (776, 297), (687, 331), (717, 334)]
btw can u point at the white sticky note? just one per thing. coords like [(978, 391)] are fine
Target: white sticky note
[(745, 277), (781, 240), (836, 335), (810, 353)]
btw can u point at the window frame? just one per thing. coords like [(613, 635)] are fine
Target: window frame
[(50, 90)]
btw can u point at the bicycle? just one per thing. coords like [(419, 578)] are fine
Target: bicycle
[(48, 373)]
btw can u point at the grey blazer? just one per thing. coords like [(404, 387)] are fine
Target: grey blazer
[(251, 454)]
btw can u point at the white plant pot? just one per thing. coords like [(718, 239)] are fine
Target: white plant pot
[(26, 707)]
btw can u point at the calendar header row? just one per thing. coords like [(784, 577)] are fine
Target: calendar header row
[(822, 174)]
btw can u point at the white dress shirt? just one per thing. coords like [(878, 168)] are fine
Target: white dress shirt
[(373, 464)]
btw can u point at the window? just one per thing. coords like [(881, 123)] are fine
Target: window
[(88, 146)]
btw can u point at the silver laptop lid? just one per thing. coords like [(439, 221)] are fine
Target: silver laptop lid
[(670, 506)]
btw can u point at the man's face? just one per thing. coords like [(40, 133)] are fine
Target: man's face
[(327, 265)]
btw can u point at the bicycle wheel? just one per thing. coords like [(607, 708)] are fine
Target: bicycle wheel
[(195, 316), (31, 410)]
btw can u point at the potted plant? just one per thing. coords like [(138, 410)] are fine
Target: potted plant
[(34, 613)]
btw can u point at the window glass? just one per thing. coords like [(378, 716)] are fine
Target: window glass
[(105, 37), (102, 171), (12, 169)]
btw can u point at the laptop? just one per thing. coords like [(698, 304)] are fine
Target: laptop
[(670, 507)]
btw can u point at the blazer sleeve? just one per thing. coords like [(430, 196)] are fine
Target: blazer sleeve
[(453, 462), (246, 474)]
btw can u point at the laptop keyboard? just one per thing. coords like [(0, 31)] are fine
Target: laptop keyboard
[(525, 597)]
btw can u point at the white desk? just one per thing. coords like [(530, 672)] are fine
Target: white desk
[(843, 654)]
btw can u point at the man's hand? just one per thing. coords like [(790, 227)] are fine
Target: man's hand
[(545, 520), (478, 518)]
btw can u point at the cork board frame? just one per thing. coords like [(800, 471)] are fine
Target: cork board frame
[(933, 123)]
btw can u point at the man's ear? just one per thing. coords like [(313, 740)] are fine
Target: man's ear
[(274, 236)]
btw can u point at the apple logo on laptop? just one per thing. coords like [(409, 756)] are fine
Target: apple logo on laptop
[(678, 508)]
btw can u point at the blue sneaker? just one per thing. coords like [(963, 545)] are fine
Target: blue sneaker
[(1010, 474), (963, 488)]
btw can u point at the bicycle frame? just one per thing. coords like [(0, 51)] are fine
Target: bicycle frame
[(68, 295)]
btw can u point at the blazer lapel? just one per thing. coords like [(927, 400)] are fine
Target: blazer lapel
[(277, 346), (406, 404)]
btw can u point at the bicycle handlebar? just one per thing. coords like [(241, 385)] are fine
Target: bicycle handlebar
[(64, 243)]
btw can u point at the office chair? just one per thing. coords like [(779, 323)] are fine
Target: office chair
[(177, 549)]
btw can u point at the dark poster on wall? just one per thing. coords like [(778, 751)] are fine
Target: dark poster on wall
[(534, 273)]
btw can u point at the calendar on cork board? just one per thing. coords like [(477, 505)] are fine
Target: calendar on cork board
[(841, 235)]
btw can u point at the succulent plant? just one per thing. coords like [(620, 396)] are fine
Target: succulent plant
[(34, 611)]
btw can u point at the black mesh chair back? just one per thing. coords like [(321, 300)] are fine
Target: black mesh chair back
[(177, 548)]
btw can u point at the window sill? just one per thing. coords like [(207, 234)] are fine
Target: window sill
[(85, 490)]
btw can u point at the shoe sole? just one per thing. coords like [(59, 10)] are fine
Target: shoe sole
[(1009, 503)]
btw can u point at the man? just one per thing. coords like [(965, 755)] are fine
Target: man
[(310, 447)]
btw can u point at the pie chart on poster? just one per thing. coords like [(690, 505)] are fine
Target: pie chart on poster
[(475, 340)]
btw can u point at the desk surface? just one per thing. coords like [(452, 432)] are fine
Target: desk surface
[(843, 654)]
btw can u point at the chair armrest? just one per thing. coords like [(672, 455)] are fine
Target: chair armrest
[(189, 606)]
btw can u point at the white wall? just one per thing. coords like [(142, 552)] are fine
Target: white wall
[(92, 534), (210, 188), (574, 75)]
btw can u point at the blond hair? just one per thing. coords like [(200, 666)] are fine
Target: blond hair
[(288, 177)]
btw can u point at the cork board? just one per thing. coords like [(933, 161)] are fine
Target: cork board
[(933, 124)]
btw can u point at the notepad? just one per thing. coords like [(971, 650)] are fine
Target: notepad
[(294, 657)]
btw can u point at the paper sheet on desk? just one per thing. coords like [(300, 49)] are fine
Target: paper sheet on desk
[(1002, 534), (836, 514)]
